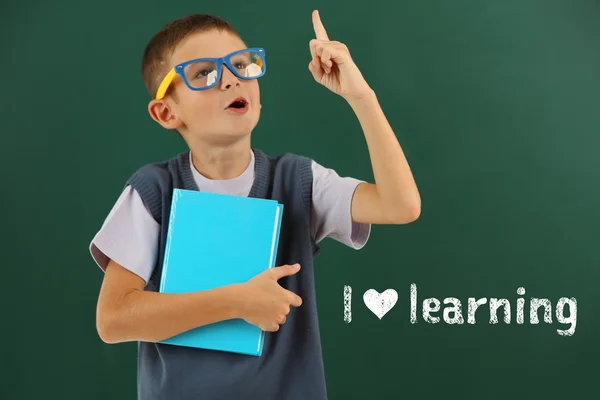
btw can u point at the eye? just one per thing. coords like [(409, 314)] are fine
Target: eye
[(240, 62), (203, 73)]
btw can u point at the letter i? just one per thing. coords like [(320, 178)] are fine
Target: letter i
[(520, 305), (347, 304)]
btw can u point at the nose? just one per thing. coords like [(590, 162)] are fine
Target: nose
[(228, 79)]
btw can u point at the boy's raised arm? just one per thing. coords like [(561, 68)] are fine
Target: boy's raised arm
[(125, 312)]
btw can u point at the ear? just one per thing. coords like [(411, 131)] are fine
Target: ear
[(162, 113)]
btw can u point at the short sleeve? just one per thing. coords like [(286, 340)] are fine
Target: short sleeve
[(332, 208), (129, 236)]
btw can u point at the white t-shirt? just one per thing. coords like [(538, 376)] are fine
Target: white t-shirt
[(130, 235)]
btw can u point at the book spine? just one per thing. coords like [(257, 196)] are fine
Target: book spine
[(165, 268), (276, 227)]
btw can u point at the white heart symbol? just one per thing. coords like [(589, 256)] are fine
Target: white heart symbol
[(380, 304)]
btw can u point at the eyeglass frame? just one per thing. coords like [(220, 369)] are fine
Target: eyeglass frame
[(226, 60)]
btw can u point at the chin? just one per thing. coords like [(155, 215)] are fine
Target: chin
[(237, 131), (243, 126)]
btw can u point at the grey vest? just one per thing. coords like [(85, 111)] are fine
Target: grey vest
[(291, 366)]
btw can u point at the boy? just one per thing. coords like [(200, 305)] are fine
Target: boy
[(214, 104)]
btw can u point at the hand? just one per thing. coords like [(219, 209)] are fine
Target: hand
[(332, 66), (264, 302)]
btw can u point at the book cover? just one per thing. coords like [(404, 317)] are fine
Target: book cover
[(216, 240)]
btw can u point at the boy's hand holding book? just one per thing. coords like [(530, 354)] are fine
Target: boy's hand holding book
[(263, 302)]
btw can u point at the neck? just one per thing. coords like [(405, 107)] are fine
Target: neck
[(221, 162)]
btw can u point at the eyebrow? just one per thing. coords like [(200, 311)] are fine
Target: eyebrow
[(197, 57)]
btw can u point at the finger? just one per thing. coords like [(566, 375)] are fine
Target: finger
[(320, 31), (295, 300), (282, 320), (326, 57), (313, 48), (285, 270), (315, 68), (331, 52), (316, 47), (318, 66)]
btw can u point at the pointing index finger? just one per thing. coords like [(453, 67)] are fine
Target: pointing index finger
[(320, 31)]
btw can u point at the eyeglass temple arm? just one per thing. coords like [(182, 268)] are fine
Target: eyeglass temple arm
[(162, 89)]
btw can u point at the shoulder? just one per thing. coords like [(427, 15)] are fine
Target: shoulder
[(291, 174), (154, 172), (154, 180), (290, 169), (287, 160)]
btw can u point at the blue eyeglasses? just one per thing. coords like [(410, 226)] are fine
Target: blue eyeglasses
[(205, 73)]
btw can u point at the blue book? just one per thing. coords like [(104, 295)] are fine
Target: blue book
[(215, 240)]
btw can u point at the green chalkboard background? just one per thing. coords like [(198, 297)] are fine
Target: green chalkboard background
[(495, 103)]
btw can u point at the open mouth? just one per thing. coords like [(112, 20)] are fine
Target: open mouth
[(238, 103)]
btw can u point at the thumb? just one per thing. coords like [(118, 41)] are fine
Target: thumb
[(285, 270), (315, 68)]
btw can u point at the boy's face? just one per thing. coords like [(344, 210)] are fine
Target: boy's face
[(205, 114)]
